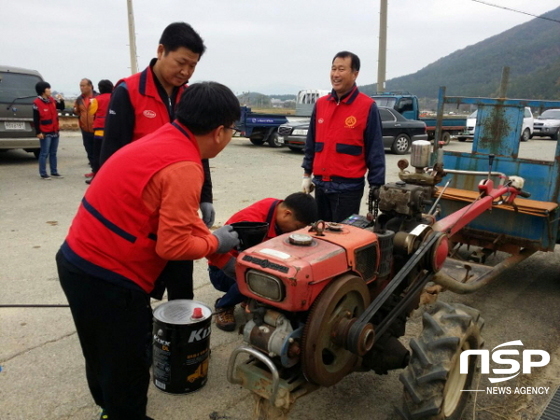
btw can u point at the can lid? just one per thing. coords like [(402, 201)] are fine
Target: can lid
[(197, 313), (182, 311)]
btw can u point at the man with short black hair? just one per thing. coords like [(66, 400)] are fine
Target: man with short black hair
[(344, 141), (140, 212), (294, 212), (145, 101)]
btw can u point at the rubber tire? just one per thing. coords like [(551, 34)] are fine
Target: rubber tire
[(273, 140), (555, 136), (462, 139), (447, 331), (398, 143), (256, 141), (446, 138), (526, 135)]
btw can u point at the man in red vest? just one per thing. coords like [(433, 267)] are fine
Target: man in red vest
[(140, 212), (344, 141), (145, 101), (45, 119), (294, 212), (98, 108)]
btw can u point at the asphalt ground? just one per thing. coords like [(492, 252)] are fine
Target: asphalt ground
[(42, 372)]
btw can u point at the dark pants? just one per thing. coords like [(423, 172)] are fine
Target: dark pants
[(87, 138), (226, 284), (96, 153), (177, 277), (337, 206), (114, 326)]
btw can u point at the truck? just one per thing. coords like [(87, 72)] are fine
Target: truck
[(333, 299), (407, 105), (262, 128)]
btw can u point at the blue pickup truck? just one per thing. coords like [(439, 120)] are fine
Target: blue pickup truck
[(262, 128), (407, 105)]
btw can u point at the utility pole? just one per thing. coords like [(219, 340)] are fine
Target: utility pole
[(132, 38), (382, 61)]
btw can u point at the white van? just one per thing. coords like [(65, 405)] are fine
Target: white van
[(526, 130), (17, 92)]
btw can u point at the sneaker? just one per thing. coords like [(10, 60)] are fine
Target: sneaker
[(89, 175), (46, 177), (57, 176), (88, 181), (225, 320)]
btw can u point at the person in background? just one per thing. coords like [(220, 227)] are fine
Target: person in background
[(141, 211), (344, 141), (98, 108), (85, 119), (294, 212), (142, 103), (45, 118)]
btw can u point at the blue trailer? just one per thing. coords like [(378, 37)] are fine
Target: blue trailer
[(521, 227)]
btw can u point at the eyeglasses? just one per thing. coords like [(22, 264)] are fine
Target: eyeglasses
[(235, 130)]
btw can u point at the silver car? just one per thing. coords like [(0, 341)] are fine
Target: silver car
[(548, 124), (17, 92)]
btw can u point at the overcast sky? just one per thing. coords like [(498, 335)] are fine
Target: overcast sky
[(267, 46)]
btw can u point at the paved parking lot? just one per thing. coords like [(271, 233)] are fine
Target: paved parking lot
[(42, 374)]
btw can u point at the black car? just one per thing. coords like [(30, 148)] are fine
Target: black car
[(398, 132)]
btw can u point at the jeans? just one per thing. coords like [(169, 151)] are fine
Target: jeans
[(87, 138), (337, 206), (49, 146), (224, 283)]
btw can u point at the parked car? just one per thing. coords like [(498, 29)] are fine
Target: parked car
[(526, 129), (17, 92), (548, 124), (398, 132)]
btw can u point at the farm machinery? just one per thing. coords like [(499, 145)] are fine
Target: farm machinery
[(333, 299)]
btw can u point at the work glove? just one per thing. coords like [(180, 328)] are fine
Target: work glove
[(229, 268), (227, 239), (208, 214), (307, 185)]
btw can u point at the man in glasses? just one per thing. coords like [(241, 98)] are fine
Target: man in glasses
[(141, 211)]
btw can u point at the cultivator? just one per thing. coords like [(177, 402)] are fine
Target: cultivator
[(333, 299)]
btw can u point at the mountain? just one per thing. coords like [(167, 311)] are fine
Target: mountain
[(531, 51)]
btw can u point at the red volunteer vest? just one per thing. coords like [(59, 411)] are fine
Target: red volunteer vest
[(102, 107), (150, 112), (113, 229), (48, 115), (262, 211), (339, 136)]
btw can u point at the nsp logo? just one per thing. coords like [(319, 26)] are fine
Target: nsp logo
[(497, 357)]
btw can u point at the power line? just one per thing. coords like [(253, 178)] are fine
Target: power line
[(517, 11)]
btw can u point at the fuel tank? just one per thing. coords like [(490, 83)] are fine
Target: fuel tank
[(290, 271)]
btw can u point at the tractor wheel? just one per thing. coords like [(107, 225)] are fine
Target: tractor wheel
[(432, 381), (446, 138)]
